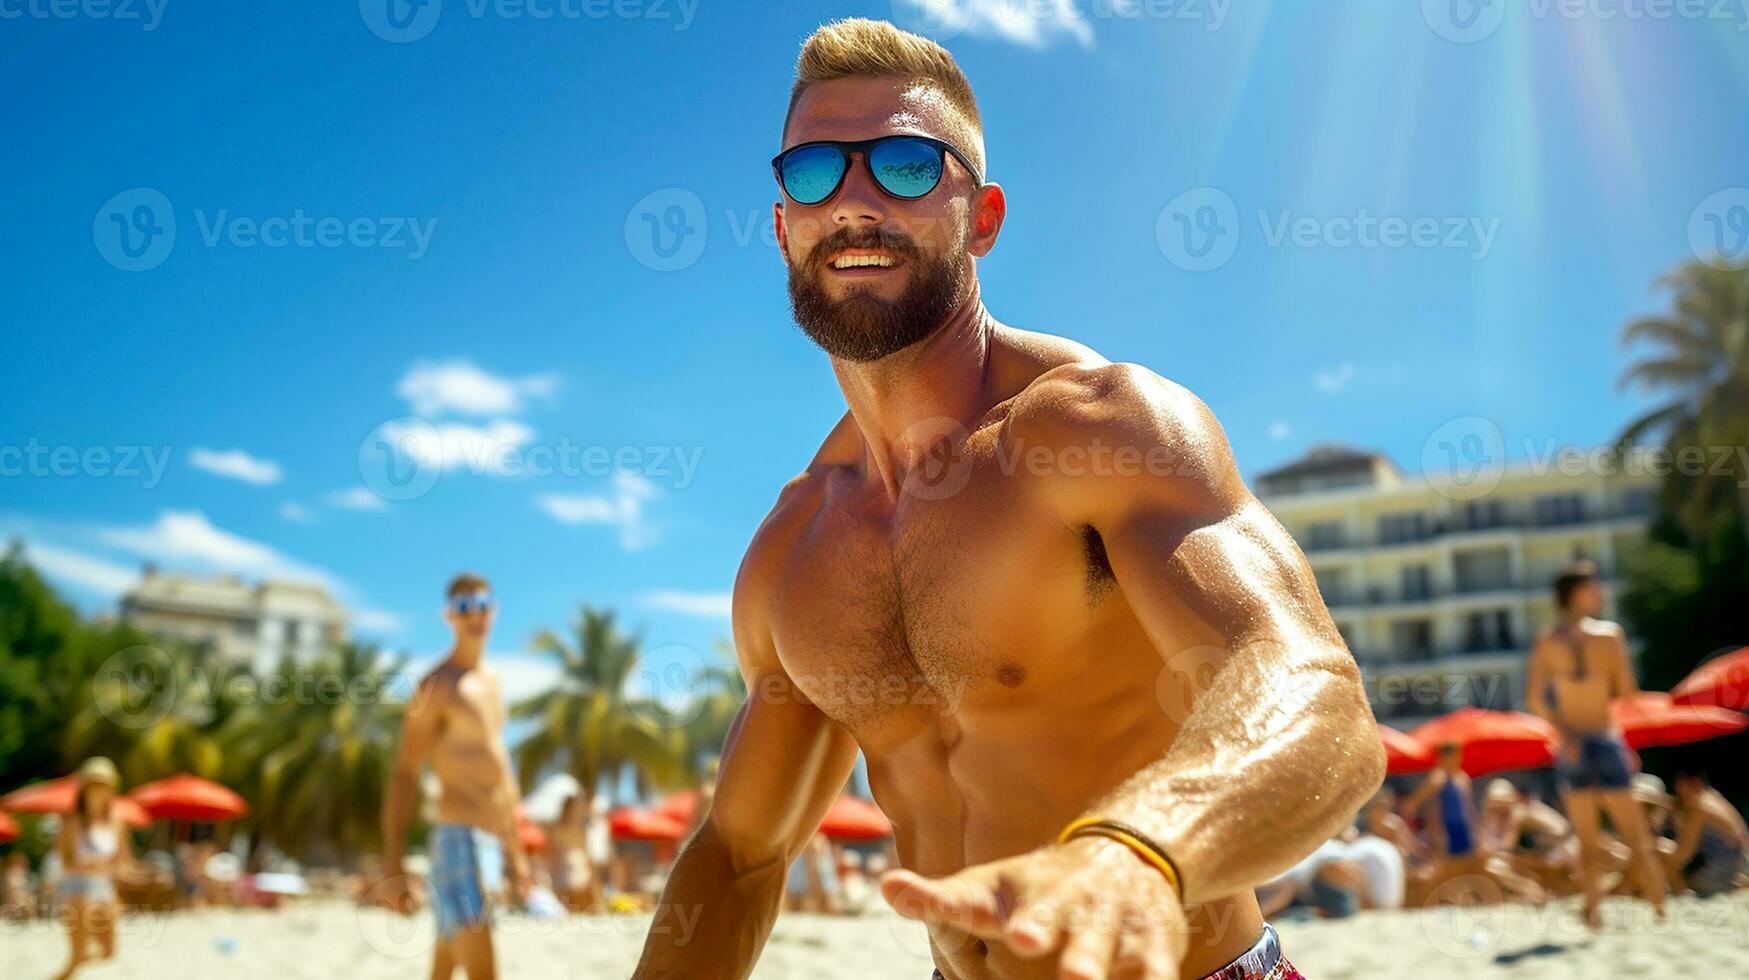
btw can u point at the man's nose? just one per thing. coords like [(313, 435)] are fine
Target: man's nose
[(859, 201)]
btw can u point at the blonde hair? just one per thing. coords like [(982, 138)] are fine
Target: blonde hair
[(857, 48)]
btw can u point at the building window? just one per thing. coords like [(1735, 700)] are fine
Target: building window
[(1399, 528), (1481, 515), (1483, 571), (1417, 582), (1639, 501), (1560, 509), (1413, 637), (1325, 534)]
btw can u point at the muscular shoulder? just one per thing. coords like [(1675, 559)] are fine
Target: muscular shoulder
[(766, 555), (1095, 422)]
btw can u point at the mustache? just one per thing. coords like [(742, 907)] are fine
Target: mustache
[(890, 239)]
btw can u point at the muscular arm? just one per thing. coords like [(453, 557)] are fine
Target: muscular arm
[(1276, 747), (783, 763), (419, 729)]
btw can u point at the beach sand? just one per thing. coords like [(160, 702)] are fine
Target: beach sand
[(1701, 938)]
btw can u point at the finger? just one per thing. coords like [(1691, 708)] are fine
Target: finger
[(1088, 952), (1162, 955), (962, 901), (1036, 927)]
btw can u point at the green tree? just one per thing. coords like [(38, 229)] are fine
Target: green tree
[(590, 723), (312, 748), (1696, 356)]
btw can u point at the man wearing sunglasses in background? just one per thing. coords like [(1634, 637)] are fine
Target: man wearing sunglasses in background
[(455, 723), (1098, 693)]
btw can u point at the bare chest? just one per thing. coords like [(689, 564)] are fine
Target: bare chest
[(937, 607)]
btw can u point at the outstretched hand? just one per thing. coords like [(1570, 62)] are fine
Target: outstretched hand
[(1091, 903)]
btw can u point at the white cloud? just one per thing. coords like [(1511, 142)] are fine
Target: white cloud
[(296, 513), (622, 509), (492, 449), (1335, 380), (712, 605), (435, 387), (237, 465), (80, 570), (1280, 430), (356, 498), (187, 537), (1031, 23)]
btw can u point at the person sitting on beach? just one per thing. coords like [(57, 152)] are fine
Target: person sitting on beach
[(93, 847), (1711, 833), (455, 721), (576, 880), (1576, 669), (1501, 832), (1447, 808), (17, 899), (1345, 875)]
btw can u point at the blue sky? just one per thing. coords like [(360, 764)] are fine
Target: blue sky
[(551, 234)]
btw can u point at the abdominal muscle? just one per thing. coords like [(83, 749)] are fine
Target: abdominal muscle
[(985, 799)]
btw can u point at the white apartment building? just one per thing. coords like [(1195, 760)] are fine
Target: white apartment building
[(1440, 591), (233, 621)]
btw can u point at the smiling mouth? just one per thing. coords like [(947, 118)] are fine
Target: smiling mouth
[(863, 260)]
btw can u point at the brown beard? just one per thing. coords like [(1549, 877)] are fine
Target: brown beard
[(862, 326)]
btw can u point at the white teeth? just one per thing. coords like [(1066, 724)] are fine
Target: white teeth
[(862, 261)]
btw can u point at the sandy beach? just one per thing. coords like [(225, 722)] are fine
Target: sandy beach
[(1701, 938)]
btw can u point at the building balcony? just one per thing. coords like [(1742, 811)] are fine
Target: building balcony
[(1441, 529)]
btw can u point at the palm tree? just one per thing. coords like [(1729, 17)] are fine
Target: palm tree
[(313, 752), (1700, 360), (153, 709), (593, 722)]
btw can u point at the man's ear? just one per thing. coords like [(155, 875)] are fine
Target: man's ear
[(989, 207), (782, 232)]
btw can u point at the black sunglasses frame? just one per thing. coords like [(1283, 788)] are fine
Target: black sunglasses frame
[(849, 148)]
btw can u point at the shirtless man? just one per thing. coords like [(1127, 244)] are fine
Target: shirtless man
[(455, 722), (1576, 669), (1026, 582), (1708, 827)]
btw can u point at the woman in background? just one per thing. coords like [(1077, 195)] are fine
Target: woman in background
[(92, 846)]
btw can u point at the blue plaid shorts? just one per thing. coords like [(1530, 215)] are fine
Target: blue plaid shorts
[(467, 869)]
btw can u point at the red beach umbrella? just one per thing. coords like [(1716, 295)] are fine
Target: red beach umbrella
[(858, 820), (1721, 681), (1403, 754), (1492, 741), (8, 828), (1651, 718), (188, 797), (682, 806), (57, 796), (631, 823)]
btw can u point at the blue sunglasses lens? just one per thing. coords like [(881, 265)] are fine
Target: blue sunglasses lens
[(465, 605), (905, 167), (812, 173)]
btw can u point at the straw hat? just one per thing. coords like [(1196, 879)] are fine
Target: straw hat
[(1648, 788), (1502, 791), (97, 769)]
